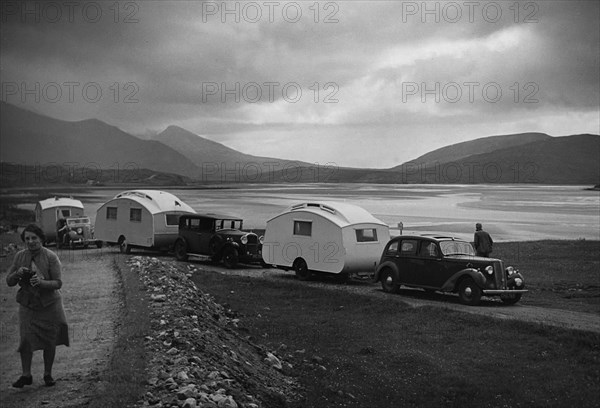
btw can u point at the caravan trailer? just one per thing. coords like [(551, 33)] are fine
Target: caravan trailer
[(142, 219), (49, 211), (331, 237)]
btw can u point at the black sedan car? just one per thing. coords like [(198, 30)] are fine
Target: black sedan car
[(446, 264), (218, 237)]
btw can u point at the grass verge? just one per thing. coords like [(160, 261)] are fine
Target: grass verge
[(124, 380), (357, 351)]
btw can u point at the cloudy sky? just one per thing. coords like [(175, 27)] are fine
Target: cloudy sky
[(355, 83)]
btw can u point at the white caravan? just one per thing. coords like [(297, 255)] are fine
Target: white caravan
[(141, 218), (331, 237), (49, 211)]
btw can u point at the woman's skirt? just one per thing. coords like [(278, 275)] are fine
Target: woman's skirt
[(42, 329)]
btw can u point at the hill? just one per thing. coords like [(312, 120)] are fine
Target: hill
[(483, 145), (218, 162), (31, 139)]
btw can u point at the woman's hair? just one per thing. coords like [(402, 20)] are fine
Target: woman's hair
[(36, 230)]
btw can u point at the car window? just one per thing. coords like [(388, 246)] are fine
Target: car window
[(429, 250), (456, 248), (392, 249), (408, 247)]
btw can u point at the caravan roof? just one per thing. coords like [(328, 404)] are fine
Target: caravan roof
[(156, 201), (59, 202), (342, 214)]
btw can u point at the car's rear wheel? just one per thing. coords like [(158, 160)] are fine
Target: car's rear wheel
[(468, 292), (389, 283), (181, 250), (230, 257), (510, 298), (301, 268)]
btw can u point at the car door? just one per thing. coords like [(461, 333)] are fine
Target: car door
[(204, 232), (432, 270), (408, 262)]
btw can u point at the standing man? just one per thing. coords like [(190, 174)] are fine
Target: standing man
[(483, 241)]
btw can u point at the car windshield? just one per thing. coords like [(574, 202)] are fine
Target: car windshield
[(456, 248), (78, 221), (233, 224)]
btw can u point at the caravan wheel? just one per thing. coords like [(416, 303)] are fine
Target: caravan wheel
[(301, 269)]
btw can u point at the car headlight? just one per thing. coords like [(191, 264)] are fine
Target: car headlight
[(244, 239), (518, 282), (261, 239), (489, 269), (80, 230)]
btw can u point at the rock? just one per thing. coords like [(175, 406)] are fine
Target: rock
[(273, 361), (158, 298), (182, 376), (188, 391), (189, 403), (227, 402)]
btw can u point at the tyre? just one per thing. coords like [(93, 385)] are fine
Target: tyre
[(301, 268), (389, 282), (181, 250), (468, 292), (510, 299), (230, 257)]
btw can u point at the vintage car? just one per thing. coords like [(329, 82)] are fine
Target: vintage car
[(75, 232), (217, 237), (446, 264)]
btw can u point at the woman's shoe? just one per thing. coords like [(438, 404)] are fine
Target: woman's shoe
[(49, 380), (23, 380)]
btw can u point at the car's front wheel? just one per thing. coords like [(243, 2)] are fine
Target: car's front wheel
[(389, 282), (181, 250), (510, 298), (230, 257), (468, 292)]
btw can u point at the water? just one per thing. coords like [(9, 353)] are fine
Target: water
[(507, 212)]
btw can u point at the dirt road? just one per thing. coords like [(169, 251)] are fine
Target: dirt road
[(91, 302)]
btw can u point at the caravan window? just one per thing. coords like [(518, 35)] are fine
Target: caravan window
[(366, 235), (135, 214), (303, 228), (172, 219), (111, 213), (66, 213)]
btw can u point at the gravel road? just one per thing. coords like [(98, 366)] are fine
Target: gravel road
[(90, 296)]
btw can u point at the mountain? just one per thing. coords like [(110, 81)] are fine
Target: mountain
[(29, 138), (523, 158), (218, 162), (483, 145)]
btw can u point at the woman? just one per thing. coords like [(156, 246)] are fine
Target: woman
[(42, 321)]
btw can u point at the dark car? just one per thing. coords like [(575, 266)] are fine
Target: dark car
[(446, 264), (218, 237), (74, 232)]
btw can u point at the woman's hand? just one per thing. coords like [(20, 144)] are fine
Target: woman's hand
[(22, 271)]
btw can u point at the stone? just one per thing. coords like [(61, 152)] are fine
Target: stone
[(189, 403), (273, 361)]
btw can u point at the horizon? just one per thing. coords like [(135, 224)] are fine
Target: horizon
[(360, 84)]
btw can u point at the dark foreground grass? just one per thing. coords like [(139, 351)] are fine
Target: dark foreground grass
[(559, 274), (381, 353)]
